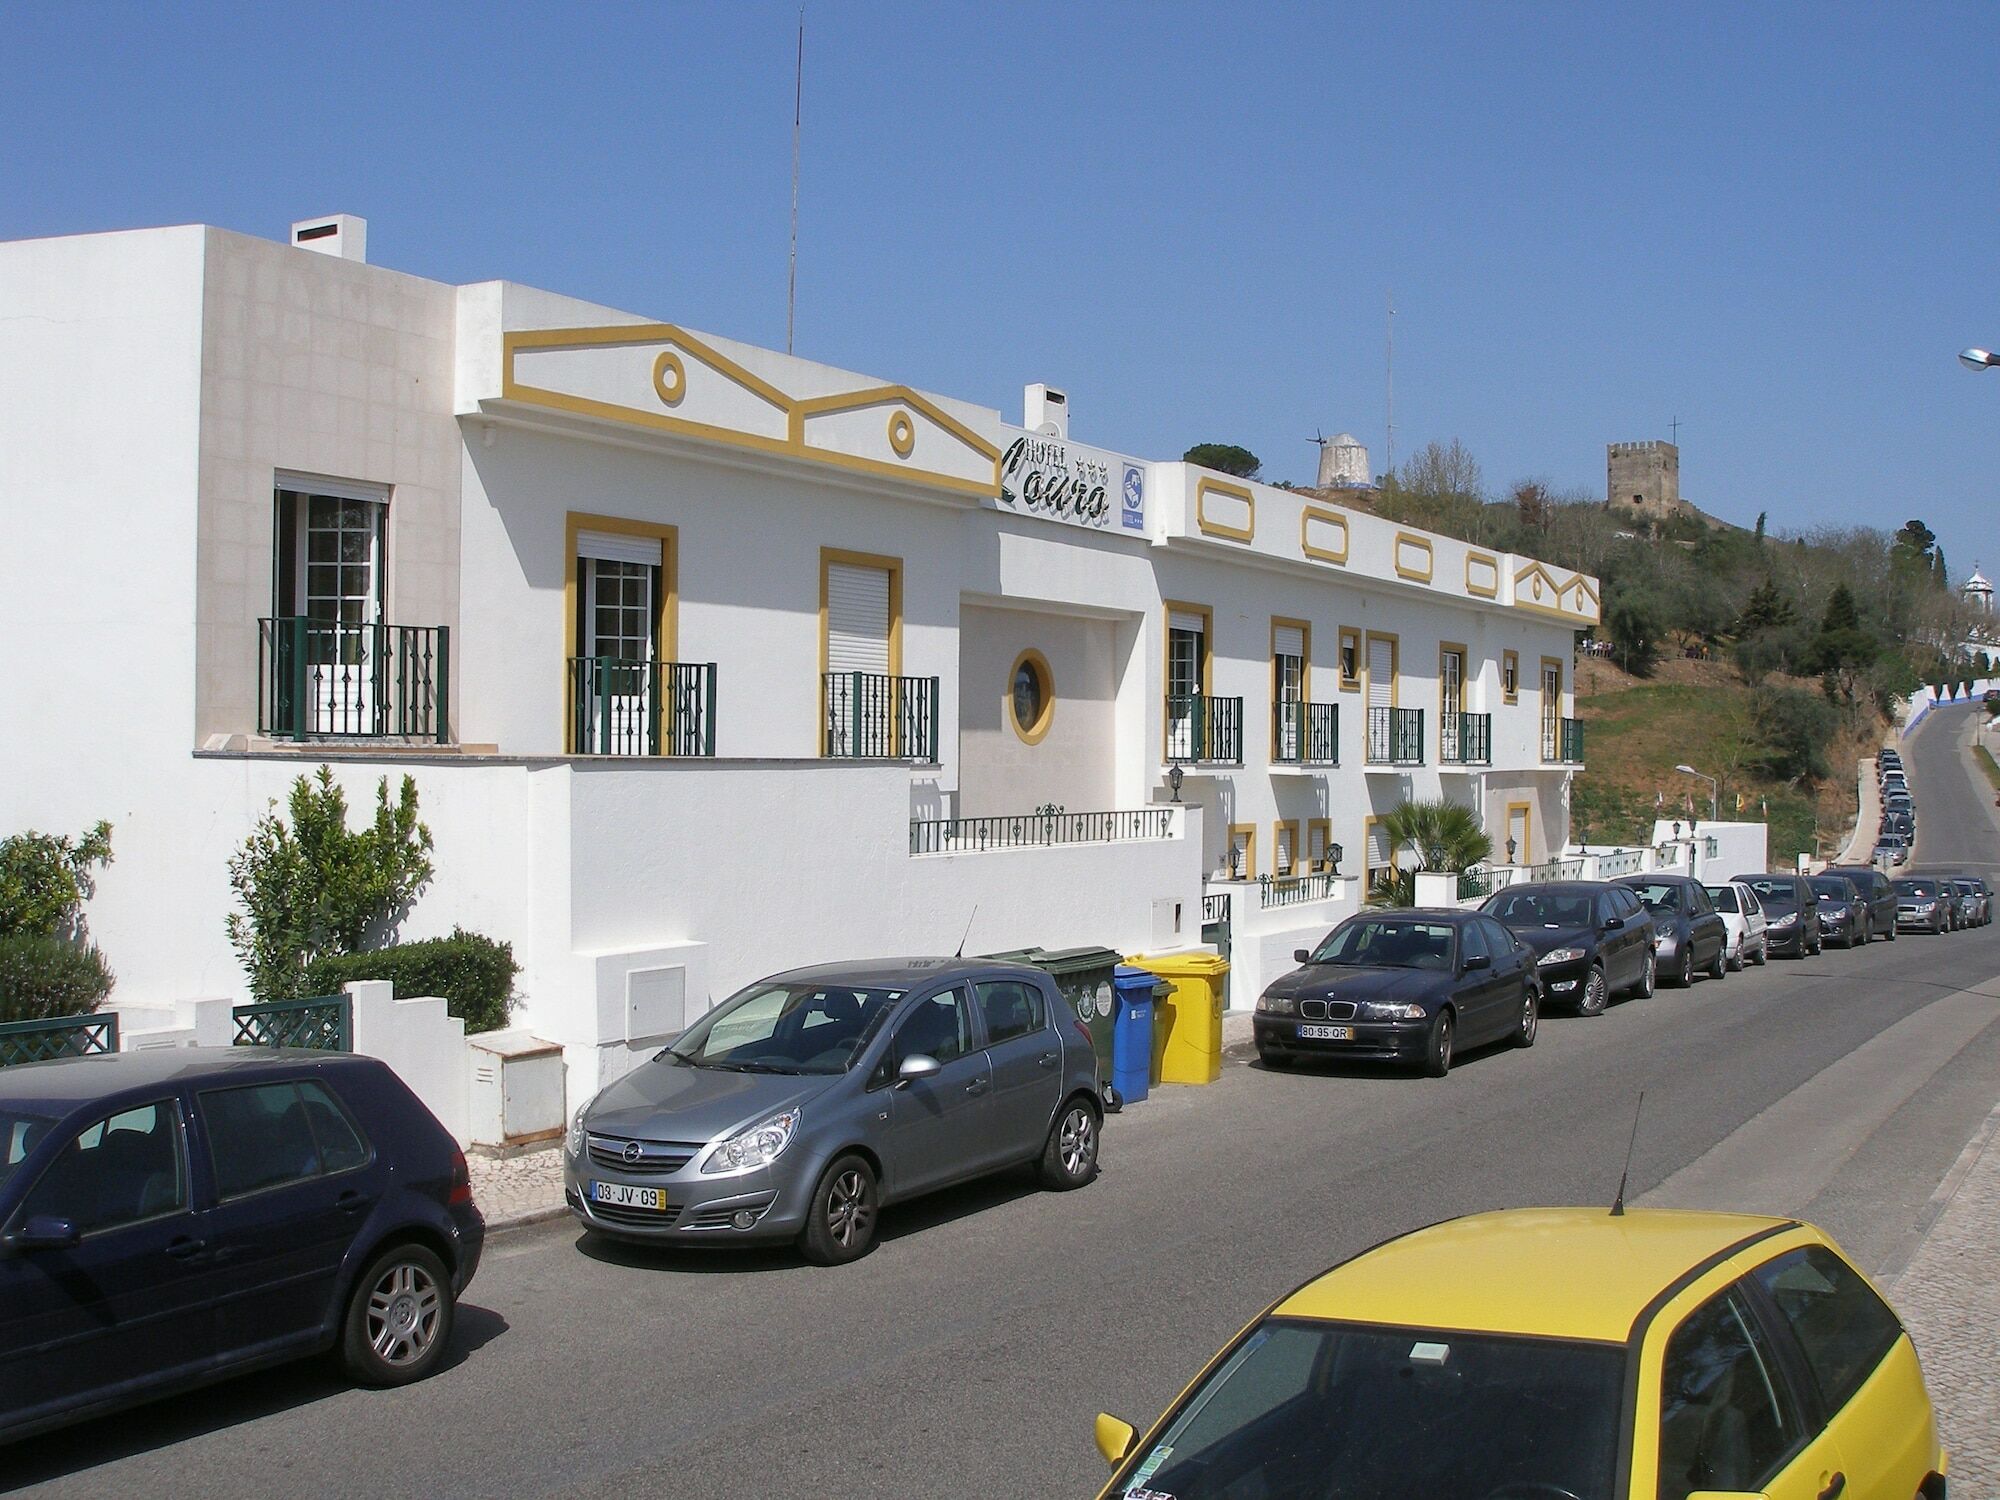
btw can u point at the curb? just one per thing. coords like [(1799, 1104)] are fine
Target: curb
[(1947, 1190), (526, 1218)]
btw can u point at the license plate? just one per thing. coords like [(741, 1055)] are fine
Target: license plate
[(619, 1195), (1326, 1033)]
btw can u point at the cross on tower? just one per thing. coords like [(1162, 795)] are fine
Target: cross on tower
[(1676, 426)]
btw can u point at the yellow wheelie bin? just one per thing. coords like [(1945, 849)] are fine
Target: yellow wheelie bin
[(1187, 1025)]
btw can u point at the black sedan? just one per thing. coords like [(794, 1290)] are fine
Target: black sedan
[(1843, 916), (1791, 906), (1405, 986), (1591, 939), (1692, 934)]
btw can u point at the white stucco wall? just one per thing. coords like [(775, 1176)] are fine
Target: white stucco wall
[(1072, 764)]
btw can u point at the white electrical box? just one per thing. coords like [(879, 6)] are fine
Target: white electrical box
[(517, 1090)]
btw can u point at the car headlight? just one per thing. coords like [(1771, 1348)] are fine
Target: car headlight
[(1924, 906), (1561, 956), (574, 1140), (1278, 1005), (758, 1146), (1385, 1010), (1790, 919)]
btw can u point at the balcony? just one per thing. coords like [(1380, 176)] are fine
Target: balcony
[(870, 716), (1562, 741), (1395, 736), (328, 680), (640, 707), (1204, 731), (1305, 734), (1467, 740), (1045, 826)]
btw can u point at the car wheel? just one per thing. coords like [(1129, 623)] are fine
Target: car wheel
[(840, 1223), (1763, 952), (1649, 976), (1818, 946), (1437, 1055), (1737, 959), (1069, 1159), (1531, 1015), (1720, 966), (399, 1318), (1685, 975), (1595, 993)]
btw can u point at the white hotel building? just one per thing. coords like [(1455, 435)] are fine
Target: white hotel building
[(707, 661)]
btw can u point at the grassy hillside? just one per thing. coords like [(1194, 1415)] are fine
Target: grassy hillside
[(1700, 713)]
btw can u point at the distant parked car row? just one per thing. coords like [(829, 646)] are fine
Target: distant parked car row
[(1898, 829)]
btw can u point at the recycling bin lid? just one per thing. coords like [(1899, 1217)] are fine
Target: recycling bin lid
[(1016, 955), (1076, 960)]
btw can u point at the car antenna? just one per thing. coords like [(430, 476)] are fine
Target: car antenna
[(968, 931), (1618, 1203)]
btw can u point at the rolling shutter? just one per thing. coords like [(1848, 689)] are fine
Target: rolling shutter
[(612, 546), (1284, 860), (1381, 672), (1181, 619), (1378, 849), (857, 619), (1289, 640)]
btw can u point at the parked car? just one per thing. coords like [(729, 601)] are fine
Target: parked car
[(800, 1107), (1402, 985), (1878, 898), (1921, 906), (1743, 914), (1892, 849), (1843, 915), (173, 1217), (1701, 1352), (1791, 913), (1979, 899), (1591, 939), (1692, 934), (1898, 823)]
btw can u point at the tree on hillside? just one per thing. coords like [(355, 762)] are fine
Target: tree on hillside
[(1631, 622), (1532, 504), (1227, 457), (1842, 648), (1796, 728)]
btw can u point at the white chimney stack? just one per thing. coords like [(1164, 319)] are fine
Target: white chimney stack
[(1045, 411), (342, 235)]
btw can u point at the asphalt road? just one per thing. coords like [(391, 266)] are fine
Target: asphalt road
[(969, 1352)]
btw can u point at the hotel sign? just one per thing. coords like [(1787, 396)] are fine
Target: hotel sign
[(1054, 479)]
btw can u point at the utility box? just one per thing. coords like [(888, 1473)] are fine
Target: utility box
[(517, 1092)]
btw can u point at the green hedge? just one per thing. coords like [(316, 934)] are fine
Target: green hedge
[(474, 974), (42, 977)]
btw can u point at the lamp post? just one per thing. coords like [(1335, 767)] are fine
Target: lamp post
[(1714, 791), (1978, 359)]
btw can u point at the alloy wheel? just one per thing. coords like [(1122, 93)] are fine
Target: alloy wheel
[(1595, 992), (1076, 1145), (404, 1309), (850, 1208), (1687, 964)]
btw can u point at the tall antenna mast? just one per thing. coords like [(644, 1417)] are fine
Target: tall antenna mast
[(1389, 467), (798, 110)]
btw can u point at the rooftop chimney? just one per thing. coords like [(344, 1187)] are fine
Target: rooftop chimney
[(1045, 411), (342, 235)]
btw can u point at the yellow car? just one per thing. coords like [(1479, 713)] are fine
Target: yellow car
[(1558, 1354)]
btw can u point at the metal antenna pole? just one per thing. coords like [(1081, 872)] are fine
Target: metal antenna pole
[(798, 103), (1389, 466)]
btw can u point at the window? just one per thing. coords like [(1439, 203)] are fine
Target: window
[(1727, 1420), (1472, 943), (120, 1170), (1381, 671), (621, 586), (938, 1027), (1552, 707), (1289, 683), (1031, 697), (263, 1137), (1284, 846), (1510, 676), (786, 1028), (1319, 839), (1242, 852), (1350, 659), (1451, 697), (1499, 940), (1010, 1008), (1844, 1328)]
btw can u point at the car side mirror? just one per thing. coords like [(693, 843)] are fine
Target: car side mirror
[(1302, 955), (1614, 924), (1478, 961), (1114, 1438), (44, 1232), (917, 1065)]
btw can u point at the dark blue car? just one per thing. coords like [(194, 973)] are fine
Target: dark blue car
[(172, 1217)]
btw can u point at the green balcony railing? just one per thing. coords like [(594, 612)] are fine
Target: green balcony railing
[(325, 1023), (61, 1036), (1305, 734), (1395, 736), (1465, 739), (1475, 884), (871, 716), (1572, 741), (1204, 731), (641, 707), (1296, 890), (324, 679)]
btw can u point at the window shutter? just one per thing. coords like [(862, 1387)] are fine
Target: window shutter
[(857, 619), (1181, 619), (1316, 845), (1378, 848), (612, 546), (1284, 864), (1381, 673), (1289, 640)]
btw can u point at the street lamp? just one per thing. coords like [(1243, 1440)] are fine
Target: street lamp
[(1714, 792), (1978, 359)]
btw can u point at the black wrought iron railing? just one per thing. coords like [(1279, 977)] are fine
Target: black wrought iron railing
[(1296, 890), (641, 707), (868, 716), (1395, 736), (1045, 825), (1305, 734), (1215, 907), (1475, 884), (1466, 740), (321, 679), (1204, 731), (1572, 741), (324, 1022), (60, 1036)]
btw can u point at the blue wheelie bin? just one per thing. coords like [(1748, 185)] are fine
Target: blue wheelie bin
[(1132, 1032)]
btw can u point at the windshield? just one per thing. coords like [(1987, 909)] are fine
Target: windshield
[(1724, 896), (786, 1028), (1388, 943), (1540, 909), (1832, 888), (1309, 1409), (20, 1133), (1660, 897), (1922, 888), (1767, 891)]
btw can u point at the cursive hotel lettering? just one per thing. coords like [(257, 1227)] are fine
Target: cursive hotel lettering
[(1044, 478)]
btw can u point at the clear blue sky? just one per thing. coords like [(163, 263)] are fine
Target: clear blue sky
[(1774, 221)]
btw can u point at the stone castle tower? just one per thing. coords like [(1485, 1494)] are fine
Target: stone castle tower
[(1644, 480)]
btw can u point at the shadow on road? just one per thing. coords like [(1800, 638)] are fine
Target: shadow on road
[(175, 1419)]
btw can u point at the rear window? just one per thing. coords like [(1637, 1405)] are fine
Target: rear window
[(271, 1134), (1843, 1327)]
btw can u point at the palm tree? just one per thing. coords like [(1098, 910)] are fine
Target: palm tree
[(1445, 835)]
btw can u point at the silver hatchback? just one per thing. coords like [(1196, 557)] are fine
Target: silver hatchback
[(800, 1106)]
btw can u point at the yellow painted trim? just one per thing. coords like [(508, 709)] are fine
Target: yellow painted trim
[(1167, 652), (1367, 854), (1510, 659), (894, 566), (1035, 733), (1395, 664), (1277, 828), (1350, 635), (1570, 617), (902, 434), (670, 391), (1523, 855), (1542, 686), (1430, 556), (1312, 513), (1476, 590), (792, 445), (1304, 627), (1249, 832), (1204, 487), (1324, 826), (666, 608)]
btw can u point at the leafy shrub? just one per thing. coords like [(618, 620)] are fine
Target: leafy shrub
[(43, 976), (1796, 728), (474, 974), (314, 888), (46, 877)]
